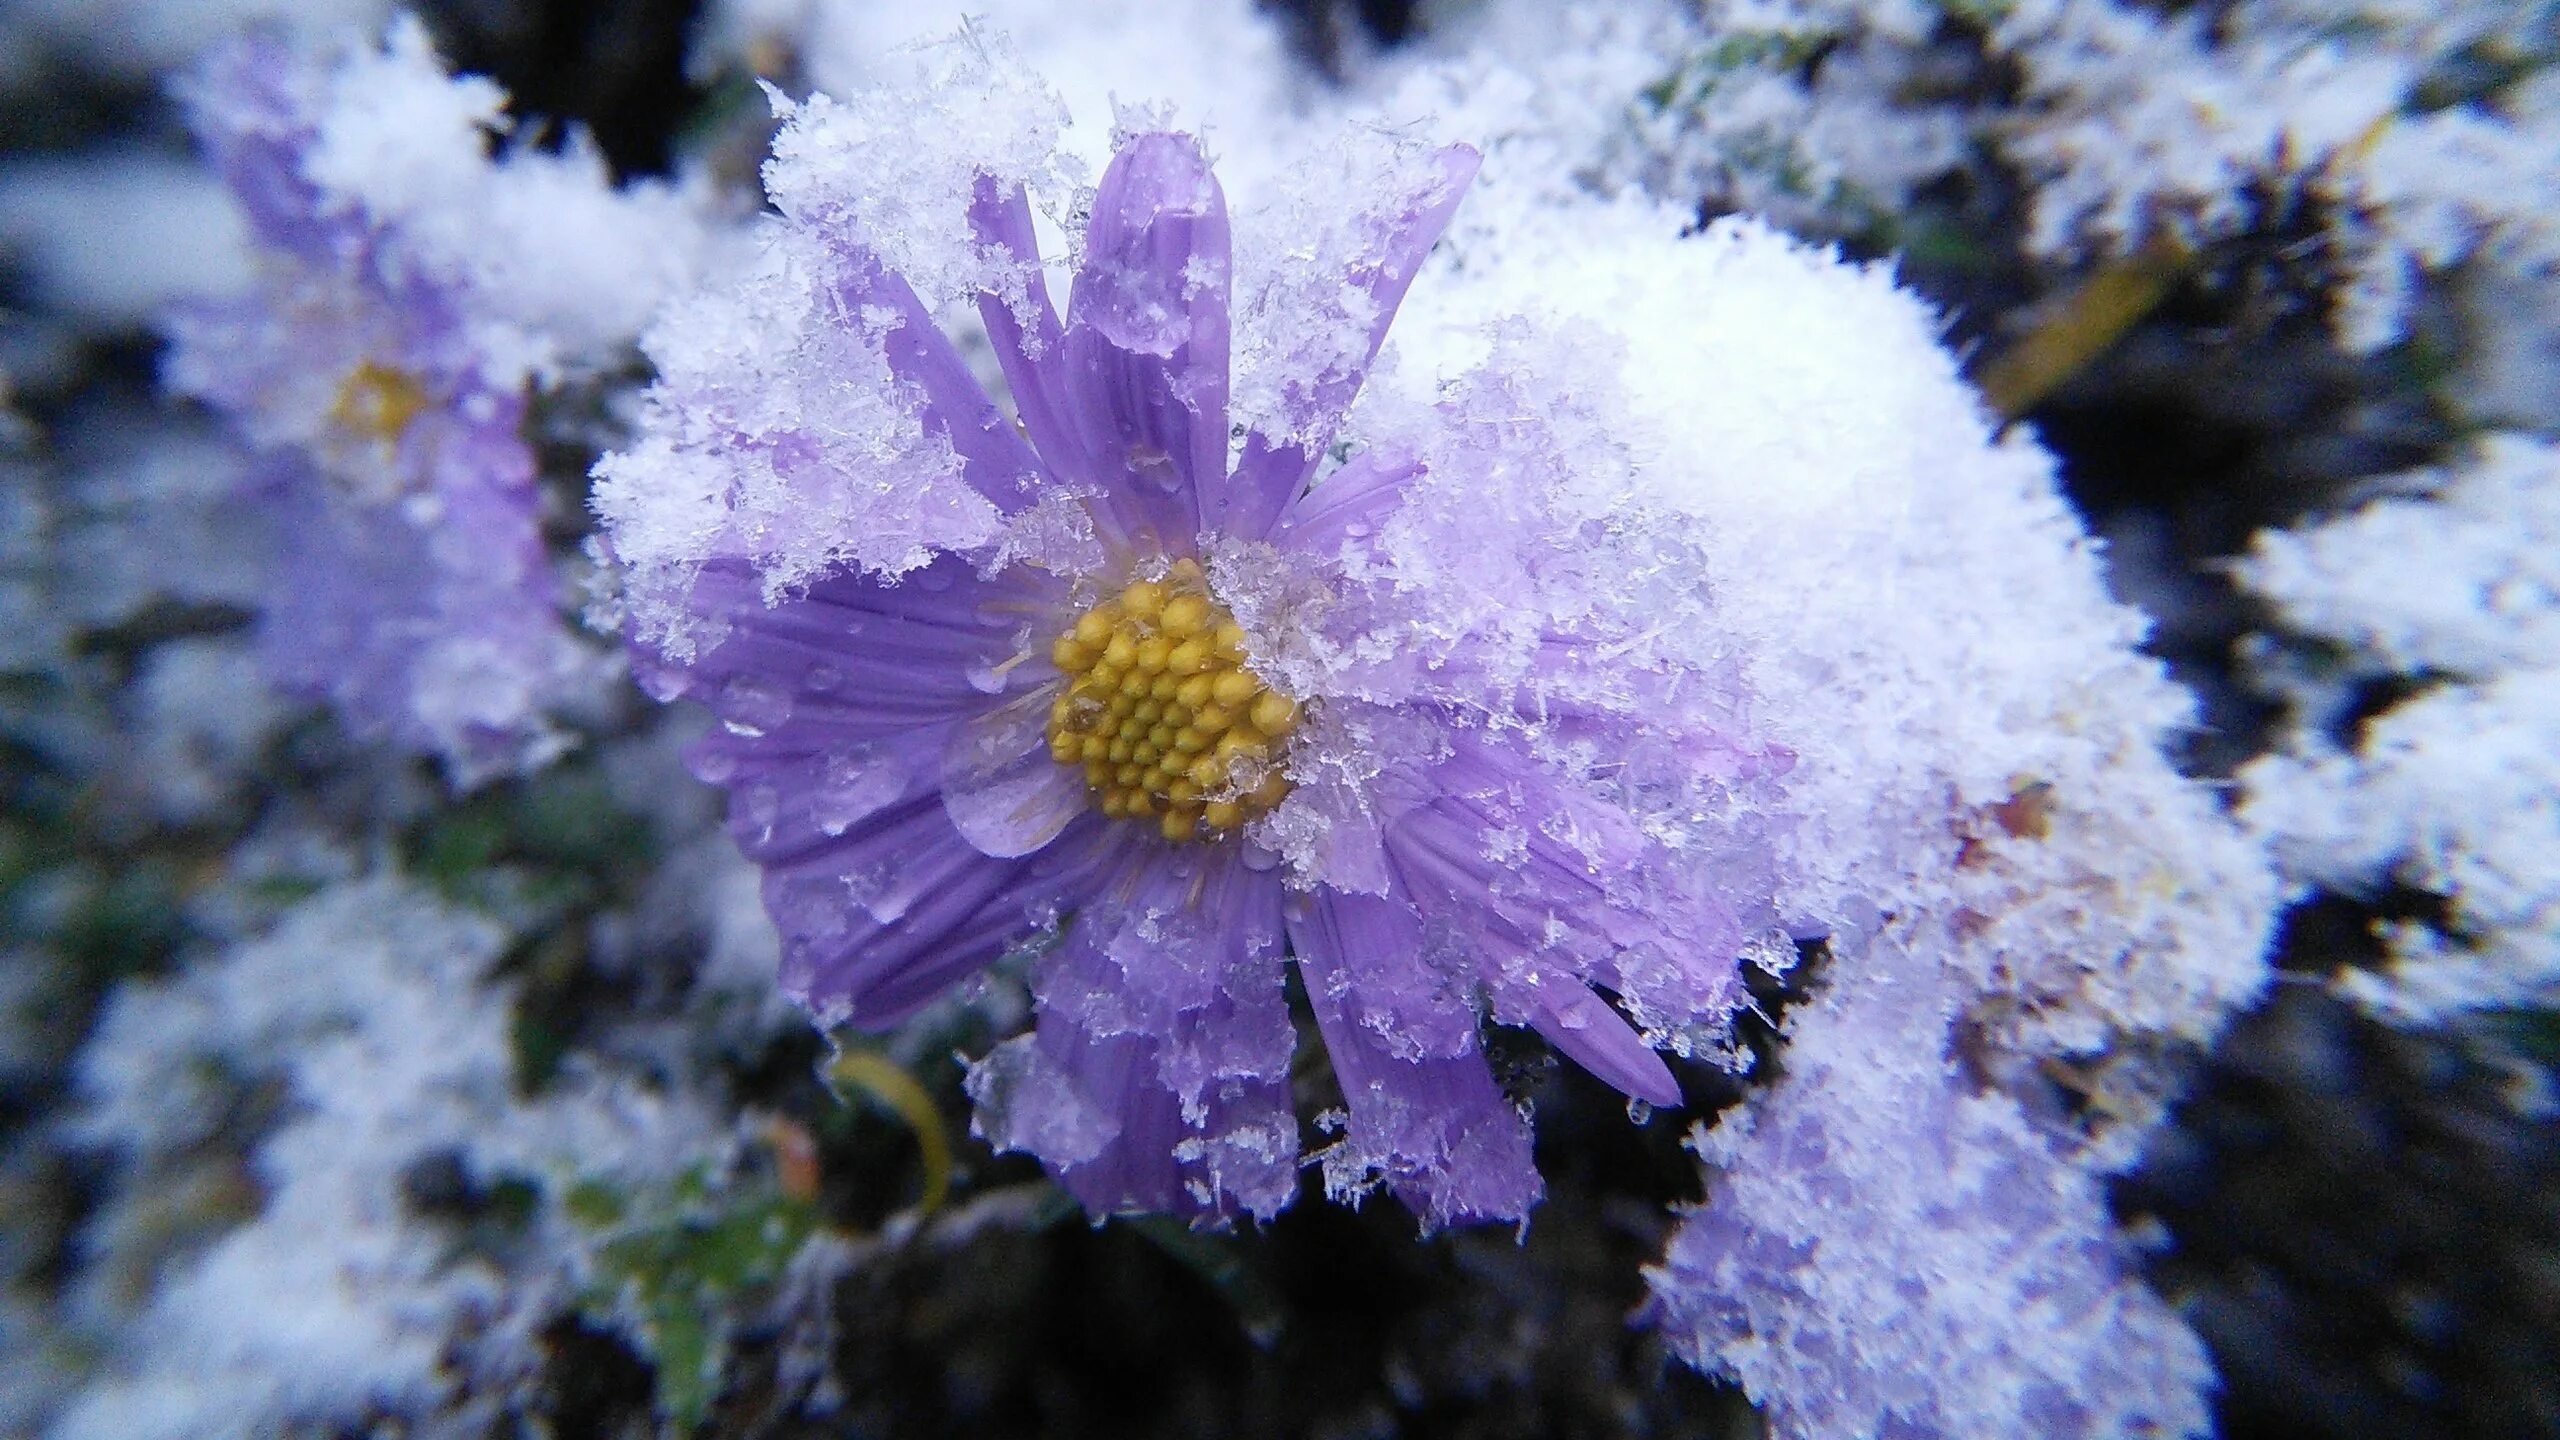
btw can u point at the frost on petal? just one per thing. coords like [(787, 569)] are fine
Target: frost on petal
[(1923, 711), (1144, 357), (1884, 1251), (1000, 787), (1331, 252), (377, 164), (1159, 1075), (1547, 892), (1523, 724), (408, 295), (783, 435), (894, 165), (1329, 275), (852, 744), (1900, 600), (1227, 63), (1425, 1116)]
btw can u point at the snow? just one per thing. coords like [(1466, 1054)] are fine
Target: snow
[(2446, 584)]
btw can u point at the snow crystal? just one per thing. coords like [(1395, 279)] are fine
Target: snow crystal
[(2140, 123), (1303, 324), (2474, 182), (895, 166), (2451, 585), (2134, 124), (328, 1305), (1712, 105), (1221, 63), (370, 1008), (795, 398), (1913, 609), (561, 266), (1886, 1252)]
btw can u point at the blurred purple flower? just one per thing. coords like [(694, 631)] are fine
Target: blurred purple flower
[(410, 586), (1084, 746)]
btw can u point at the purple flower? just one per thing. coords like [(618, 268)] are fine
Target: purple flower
[(1104, 681), (410, 585)]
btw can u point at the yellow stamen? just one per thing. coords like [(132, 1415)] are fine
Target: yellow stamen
[(378, 402), (1163, 715)]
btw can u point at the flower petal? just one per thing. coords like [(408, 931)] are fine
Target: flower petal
[(994, 458), (838, 712), (856, 658), (437, 629), (1164, 1010), (1000, 787), (1323, 375), (1425, 1113), (1029, 343), (884, 919), (1554, 892), (250, 105), (1146, 339), (1581, 1025), (1350, 505)]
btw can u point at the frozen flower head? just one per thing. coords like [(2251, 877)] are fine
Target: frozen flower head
[(1116, 676), (411, 287)]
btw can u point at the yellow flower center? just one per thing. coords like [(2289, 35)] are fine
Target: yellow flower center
[(378, 401), (1162, 714)]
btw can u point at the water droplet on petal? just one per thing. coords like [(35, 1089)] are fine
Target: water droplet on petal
[(1002, 791), (1152, 465), (760, 803), (854, 785), (752, 705)]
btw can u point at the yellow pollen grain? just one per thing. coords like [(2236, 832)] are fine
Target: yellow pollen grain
[(1163, 715)]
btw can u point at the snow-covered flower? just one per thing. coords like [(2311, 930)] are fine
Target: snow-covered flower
[(1106, 678), (380, 365)]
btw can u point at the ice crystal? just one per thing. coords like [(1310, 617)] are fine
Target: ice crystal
[(1887, 1249), (2449, 585), (1223, 62), (2136, 125), (369, 1010)]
